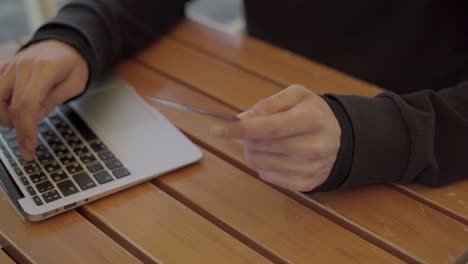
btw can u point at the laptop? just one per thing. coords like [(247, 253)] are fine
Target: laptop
[(106, 140)]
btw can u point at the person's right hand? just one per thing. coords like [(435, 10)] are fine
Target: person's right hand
[(34, 82)]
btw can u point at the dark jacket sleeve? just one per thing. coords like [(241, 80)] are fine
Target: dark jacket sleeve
[(106, 31), (421, 137)]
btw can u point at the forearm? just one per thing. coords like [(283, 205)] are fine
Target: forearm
[(105, 31)]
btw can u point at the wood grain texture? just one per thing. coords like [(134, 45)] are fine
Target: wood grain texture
[(254, 209), (452, 232), (66, 238), (281, 224), (453, 199), (195, 68), (166, 231), (260, 57), (5, 259), (270, 62)]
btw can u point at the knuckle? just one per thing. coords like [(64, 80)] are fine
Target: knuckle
[(304, 185), (319, 121), (297, 88)]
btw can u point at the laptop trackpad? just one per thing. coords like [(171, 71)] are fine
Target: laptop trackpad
[(137, 133)]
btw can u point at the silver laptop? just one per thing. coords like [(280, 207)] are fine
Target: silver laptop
[(106, 140)]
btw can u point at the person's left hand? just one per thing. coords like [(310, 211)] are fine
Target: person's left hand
[(291, 138)]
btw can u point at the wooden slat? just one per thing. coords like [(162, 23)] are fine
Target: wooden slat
[(270, 62), (196, 68), (5, 259), (254, 209), (197, 126), (453, 199), (152, 224), (66, 238), (255, 55)]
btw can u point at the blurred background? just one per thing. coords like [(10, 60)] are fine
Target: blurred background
[(20, 17)]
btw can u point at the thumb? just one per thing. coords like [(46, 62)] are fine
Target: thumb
[(279, 102)]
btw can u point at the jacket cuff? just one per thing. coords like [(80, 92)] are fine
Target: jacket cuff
[(68, 35), (344, 158), (381, 139)]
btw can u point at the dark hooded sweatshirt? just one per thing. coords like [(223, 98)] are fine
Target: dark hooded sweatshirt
[(417, 50)]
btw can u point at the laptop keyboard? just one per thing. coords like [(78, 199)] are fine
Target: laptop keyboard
[(69, 158)]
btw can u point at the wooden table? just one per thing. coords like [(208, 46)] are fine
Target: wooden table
[(217, 210)]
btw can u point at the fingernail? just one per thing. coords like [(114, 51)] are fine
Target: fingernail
[(27, 155), (218, 131)]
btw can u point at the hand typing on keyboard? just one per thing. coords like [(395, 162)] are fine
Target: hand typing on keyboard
[(33, 83)]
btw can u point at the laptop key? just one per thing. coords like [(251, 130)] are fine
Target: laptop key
[(44, 186), (78, 123), (95, 167), (106, 155), (43, 127), (9, 135), (103, 177), (74, 168), (45, 158), (61, 152), (17, 152), (80, 150), (18, 171), (37, 200), (66, 132), (51, 167), (51, 196), (84, 181), (31, 190), (59, 176), (98, 146), (38, 177), (67, 188), (87, 158), (112, 164), (31, 168), (12, 143), (121, 172), (67, 159), (24, 180)]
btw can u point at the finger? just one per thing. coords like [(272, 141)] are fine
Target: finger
[(289, 182), (7, 83), (25, 106), (22, 75), (303, 118), (281, 163), (305, 146), (278, 102)]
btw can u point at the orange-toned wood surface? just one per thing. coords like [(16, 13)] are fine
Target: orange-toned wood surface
[(284, 68), (270, 62), (275, 68), (164, 230), (449, 241), (217, 210), (5, 259), (62, 239)]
